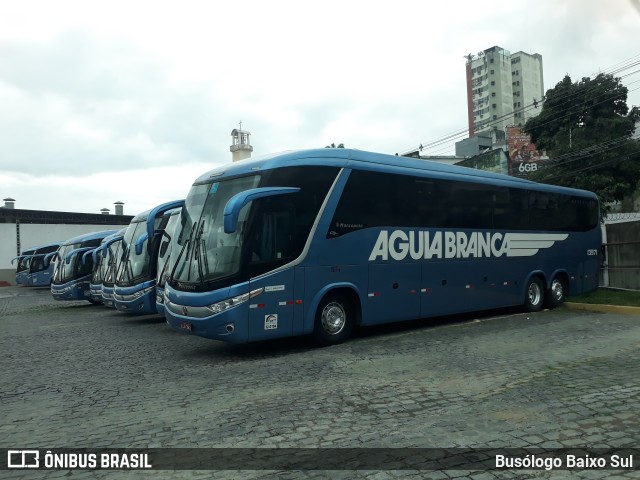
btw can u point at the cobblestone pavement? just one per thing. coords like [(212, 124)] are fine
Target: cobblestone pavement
[(80, 376)]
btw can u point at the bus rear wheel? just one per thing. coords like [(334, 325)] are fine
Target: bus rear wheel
[(534, 295), (557, 293), (334, 320)]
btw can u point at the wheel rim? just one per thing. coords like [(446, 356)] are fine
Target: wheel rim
[(333, 318), (557, 290), (535, 294)]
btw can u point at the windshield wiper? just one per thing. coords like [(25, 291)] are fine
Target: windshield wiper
[(199, 251), (186, 252)]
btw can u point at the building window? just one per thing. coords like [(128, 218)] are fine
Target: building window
[(495, 117), (493, 106), (492, 83), (493, 94), (491, 60), (492, 72)]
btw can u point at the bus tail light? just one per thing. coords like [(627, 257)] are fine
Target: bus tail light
[(232, 302)]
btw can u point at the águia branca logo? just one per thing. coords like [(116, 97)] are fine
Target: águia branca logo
[(419, 245)]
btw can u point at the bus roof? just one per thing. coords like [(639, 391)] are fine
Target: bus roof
[(52, 244), (141, 217), (89, 236), (349, 158), (116, 234)]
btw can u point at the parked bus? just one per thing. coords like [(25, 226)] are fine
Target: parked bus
[(102, 255), (41, 270), (316, 242), (22, 267), (135, 285), (164, 254), (72, 272)]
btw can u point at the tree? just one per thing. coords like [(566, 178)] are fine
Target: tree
[(586, 128)]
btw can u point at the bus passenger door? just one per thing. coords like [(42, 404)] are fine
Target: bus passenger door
[(393, 293)]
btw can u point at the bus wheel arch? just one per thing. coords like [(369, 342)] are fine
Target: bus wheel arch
[(337, 313), (534, 293), (558, 290)]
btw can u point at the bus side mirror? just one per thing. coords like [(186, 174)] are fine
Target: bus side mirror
[(85, 255), (49, 257), (235, 203), (140, 242)]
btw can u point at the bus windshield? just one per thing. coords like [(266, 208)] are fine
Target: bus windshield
[(271, 231), (164, 251), (23, 263), (206, 252), (133, 266), (64, 271), (112, 261)]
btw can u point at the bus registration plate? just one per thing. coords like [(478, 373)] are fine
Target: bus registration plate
[(185, 326)]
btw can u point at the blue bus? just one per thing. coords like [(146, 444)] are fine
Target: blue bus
[(72, 272), (164, 254), (40, 269), (22, 267), (319, 241), (102, 255), (135, 285)]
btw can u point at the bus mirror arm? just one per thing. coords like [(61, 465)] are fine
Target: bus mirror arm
[(151, 217), (103, 248), (235, 203), (49, 258), (140, 242)]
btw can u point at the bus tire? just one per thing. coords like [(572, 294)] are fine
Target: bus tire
[(557, 293), (334, 320), (534, 295)]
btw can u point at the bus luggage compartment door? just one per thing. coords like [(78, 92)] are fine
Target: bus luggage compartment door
[(393, 292)]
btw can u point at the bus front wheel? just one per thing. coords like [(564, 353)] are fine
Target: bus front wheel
[(334, 320), (534, 295)]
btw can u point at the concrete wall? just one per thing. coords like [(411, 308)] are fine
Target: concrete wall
[(33, 235)]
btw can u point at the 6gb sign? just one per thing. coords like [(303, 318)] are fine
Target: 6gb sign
[(528, 167)]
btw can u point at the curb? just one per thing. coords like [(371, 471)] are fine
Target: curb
[(604, 308)]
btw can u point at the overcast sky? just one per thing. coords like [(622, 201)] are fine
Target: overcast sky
[(132, 100)]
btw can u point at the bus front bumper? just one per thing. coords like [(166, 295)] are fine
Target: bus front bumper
[(224, 326), (71, 291)]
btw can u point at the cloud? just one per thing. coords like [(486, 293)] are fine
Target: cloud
[(131, 91), (80, 105)]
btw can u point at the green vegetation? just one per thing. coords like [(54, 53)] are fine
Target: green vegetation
[(586, 128), (607, 296)]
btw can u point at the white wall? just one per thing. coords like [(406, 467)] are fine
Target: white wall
[(34, 235)]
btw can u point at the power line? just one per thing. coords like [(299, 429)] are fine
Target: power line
[(616, 68)]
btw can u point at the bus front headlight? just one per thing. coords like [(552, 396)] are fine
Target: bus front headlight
[(219, 307)]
